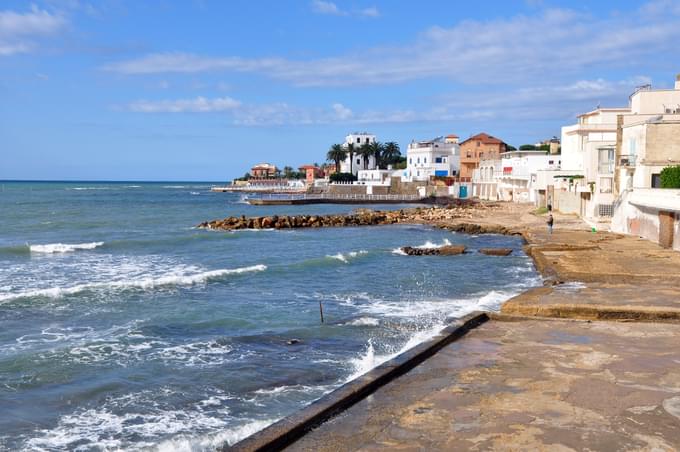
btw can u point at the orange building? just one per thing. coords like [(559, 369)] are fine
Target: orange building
[(478, 147), (263, 171), (311, 172)]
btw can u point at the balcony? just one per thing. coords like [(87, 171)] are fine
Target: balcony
[(627, 161)]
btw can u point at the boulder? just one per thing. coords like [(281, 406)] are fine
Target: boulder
[(496, 251), (451, 250)]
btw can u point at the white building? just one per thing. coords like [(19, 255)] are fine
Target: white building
[(518, 180), (485, 179), (357, 139), (437, 157), (649, 140), (588, 151)]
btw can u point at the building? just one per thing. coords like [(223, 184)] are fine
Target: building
[(439, 157), (485, 179), (552, 145), (588, 151), (476, 148), (263, 171), (357, 139), (519, 177), (312, 172), (648, 140)]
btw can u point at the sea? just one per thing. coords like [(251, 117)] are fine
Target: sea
[(123, 326)]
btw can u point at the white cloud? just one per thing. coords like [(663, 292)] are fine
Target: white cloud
[(555, 43), (370, 12), (342, 112), (196, 105), (18, 30), (323, 7)]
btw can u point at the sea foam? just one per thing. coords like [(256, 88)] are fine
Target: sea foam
[(141, 283), (51, 248)]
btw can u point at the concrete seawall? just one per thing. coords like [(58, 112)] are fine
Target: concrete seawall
[(288, 430)]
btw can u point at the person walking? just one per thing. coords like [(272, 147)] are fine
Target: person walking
[(550, 223)]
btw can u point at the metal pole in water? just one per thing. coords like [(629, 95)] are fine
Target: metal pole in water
[(321, 311)]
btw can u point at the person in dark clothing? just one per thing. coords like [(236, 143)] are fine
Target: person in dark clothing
[(550, 223)]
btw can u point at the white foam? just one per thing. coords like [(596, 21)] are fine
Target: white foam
[(64, 247), (88, 188), (146, 283), (364, 321), (430, 245), (194, 193), (346, 257), (211, 442), (399, 252)]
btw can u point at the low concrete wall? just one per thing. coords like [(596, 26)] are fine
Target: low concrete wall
[(567, 202), (286, 431), (641, 212)]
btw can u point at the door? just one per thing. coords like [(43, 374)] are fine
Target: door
[(463, 191)]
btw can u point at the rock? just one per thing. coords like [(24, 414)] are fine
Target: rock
[(496, 251), (293, 341), (451, 250)]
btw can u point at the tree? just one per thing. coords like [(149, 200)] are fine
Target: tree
[(336, 154), (390, 153), (365, 151), (670, 177), (288, 172), (350, 153), (509, 147), (278, 173), (343, 177), (527, 147), (377, 149)]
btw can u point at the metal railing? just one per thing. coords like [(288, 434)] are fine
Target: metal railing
[(627, 160)]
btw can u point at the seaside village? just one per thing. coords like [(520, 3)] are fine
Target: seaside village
[(604, 168)]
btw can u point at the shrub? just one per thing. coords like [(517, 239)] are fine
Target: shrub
[(527, 147), (343, 177), (670, 177)]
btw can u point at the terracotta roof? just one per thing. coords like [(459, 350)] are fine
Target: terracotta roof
[(484, 138), (452, 136)]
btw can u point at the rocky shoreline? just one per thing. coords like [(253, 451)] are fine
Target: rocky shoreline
[(437, 216)]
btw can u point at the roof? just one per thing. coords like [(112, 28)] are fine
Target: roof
[(599, 109), (484, 138), (452, 136), (308, 167), (264, 165)]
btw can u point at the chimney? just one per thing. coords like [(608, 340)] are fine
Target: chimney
[(677, 81)]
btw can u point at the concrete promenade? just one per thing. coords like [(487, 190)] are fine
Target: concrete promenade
[(590, 361)]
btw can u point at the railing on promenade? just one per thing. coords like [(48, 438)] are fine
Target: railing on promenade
[(336, 196)]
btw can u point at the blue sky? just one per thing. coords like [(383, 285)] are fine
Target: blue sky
[(201, 90)]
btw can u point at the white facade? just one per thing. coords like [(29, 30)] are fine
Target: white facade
[(588, 150), (357, 139), (485, 179), (425, 159), (519, 177)]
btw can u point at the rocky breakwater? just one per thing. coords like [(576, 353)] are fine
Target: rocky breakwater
[(363, 218), (447, 250)]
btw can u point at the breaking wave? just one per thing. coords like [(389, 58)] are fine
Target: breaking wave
[(51, 248), (347, 256), (141, 283)]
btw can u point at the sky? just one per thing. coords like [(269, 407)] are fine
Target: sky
[(203, 90)]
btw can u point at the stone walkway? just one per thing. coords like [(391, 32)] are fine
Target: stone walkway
[(526, 385)]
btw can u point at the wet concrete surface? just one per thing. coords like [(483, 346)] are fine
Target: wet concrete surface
[(526, 385)]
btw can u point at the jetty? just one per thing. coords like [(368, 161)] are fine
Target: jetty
[(588, 361)]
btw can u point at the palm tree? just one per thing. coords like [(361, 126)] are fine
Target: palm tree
[(377, 149), (336, 154), (390, 152), (350, 152), (365, 151), (288, 172)]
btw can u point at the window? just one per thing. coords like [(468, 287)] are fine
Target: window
[(418, 160), (606, 161), (359, 161), (438, 160), (359, 140), (632, 146), (481, 155), (479, 144), (656, 180), (410, 161), (367, 140), (424, 159)]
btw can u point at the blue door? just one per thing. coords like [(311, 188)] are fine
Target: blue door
[(462, 193)]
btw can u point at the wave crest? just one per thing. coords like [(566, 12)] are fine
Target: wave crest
[(52, 248)]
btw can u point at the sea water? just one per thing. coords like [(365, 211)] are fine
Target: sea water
[(124, 326)]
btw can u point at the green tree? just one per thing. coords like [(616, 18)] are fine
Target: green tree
[(390, 153), (336, 154), (288, 172), (350, 153), (365, 151), (527, 147), (377, 149), (670, 177)]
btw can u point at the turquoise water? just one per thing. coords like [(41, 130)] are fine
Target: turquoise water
[(125, 327)]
